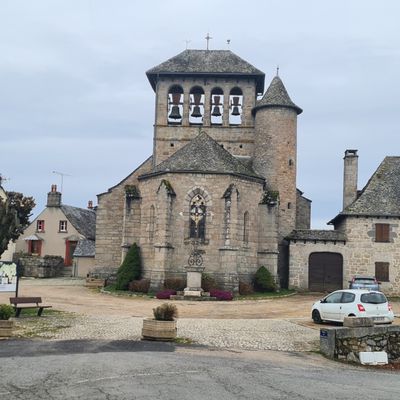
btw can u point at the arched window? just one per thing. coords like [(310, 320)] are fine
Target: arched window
[(197, 215), (235, 106), (196, 110), (152, 220), (246, 226), (175, 105), (217, 106)]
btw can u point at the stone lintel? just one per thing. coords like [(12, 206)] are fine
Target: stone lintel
[(164, 246), (228, 248)]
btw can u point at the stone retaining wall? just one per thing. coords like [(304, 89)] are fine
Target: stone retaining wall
[(346, 343), (41, 267)]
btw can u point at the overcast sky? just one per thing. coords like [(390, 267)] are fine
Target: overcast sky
[(74, 97)]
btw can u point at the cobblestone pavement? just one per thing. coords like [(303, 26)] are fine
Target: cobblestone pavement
[(250, 334)]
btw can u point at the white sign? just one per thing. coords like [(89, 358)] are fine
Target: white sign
[(8, 276)]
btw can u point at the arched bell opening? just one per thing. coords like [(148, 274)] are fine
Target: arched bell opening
[(217, 106), (196, 103), (175, 105), (235, 106)]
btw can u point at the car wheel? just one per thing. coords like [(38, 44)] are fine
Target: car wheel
[(316, 317)]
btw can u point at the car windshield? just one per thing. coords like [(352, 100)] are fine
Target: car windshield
[(373, 298)]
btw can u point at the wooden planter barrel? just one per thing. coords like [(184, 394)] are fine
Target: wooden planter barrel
[(159, 330), (6, 328)]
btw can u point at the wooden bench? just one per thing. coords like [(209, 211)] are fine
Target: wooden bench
[(21, 303)]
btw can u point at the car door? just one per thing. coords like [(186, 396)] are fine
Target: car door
[(347, 305), (330, 306)]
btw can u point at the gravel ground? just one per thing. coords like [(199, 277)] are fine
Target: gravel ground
[(257, 334)]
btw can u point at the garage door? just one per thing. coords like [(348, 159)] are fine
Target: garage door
[(325, 272)]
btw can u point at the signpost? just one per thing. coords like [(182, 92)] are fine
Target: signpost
[(9, 274)]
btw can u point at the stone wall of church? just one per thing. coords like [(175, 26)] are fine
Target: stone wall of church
[(227, 252), (236, 139), (364, 251), (110, 221), (303, 212)]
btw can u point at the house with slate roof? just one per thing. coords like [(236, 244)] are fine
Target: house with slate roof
[(62, 230), (365, 239), (221, 179)]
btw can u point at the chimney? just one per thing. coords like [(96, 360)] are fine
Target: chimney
[(53, 197), (350, 177), (90, 205)]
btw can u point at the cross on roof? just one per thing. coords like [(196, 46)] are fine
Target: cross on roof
[(208, 37)]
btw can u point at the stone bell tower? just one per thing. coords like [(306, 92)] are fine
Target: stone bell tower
[(210, 90), (275, 149)]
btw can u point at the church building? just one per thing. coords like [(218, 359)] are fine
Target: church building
[(221, 179)]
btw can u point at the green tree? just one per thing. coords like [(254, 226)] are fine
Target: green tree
[(264, 281), (130, 269), (15, 211)]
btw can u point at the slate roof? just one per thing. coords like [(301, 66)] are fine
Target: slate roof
[(381, 194), (276, 96), (317, 235), (204, 155), (83, 220), (85, 248), (202, 62)]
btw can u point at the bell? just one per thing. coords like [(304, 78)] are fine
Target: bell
[(175, 114), (235, 110), (196, 112), (235, 100), (216, 112)]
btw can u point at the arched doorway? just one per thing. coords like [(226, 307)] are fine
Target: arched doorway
[(325, 272)]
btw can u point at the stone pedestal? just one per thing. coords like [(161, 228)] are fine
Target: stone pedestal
[(193, 281)]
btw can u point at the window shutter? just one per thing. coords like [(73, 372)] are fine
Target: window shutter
[(382, 232), (382, 271)]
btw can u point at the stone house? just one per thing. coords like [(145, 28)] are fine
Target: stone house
[(62, 230), (221, 179), (365, 239)]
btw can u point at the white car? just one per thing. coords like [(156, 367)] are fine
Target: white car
[(353, 303)]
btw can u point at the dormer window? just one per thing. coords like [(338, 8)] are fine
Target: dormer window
[(235, 106), (217, 106), (175, 105), (196, 111)]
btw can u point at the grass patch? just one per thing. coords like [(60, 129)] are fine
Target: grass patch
[(182, 340), (32, 312), (266, 295), (111, 289), (47, 326)]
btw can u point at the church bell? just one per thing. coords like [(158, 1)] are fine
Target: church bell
[(235, 110), (196, 112), (175, 114), (235, 106), (216, 112)]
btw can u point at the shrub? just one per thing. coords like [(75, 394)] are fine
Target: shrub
[(140, 286), (130, 269), (6, 311), (245, 288), (208, 282), (165, 312), (264, 281), (221, 294), (165, 294), (175, 283)]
